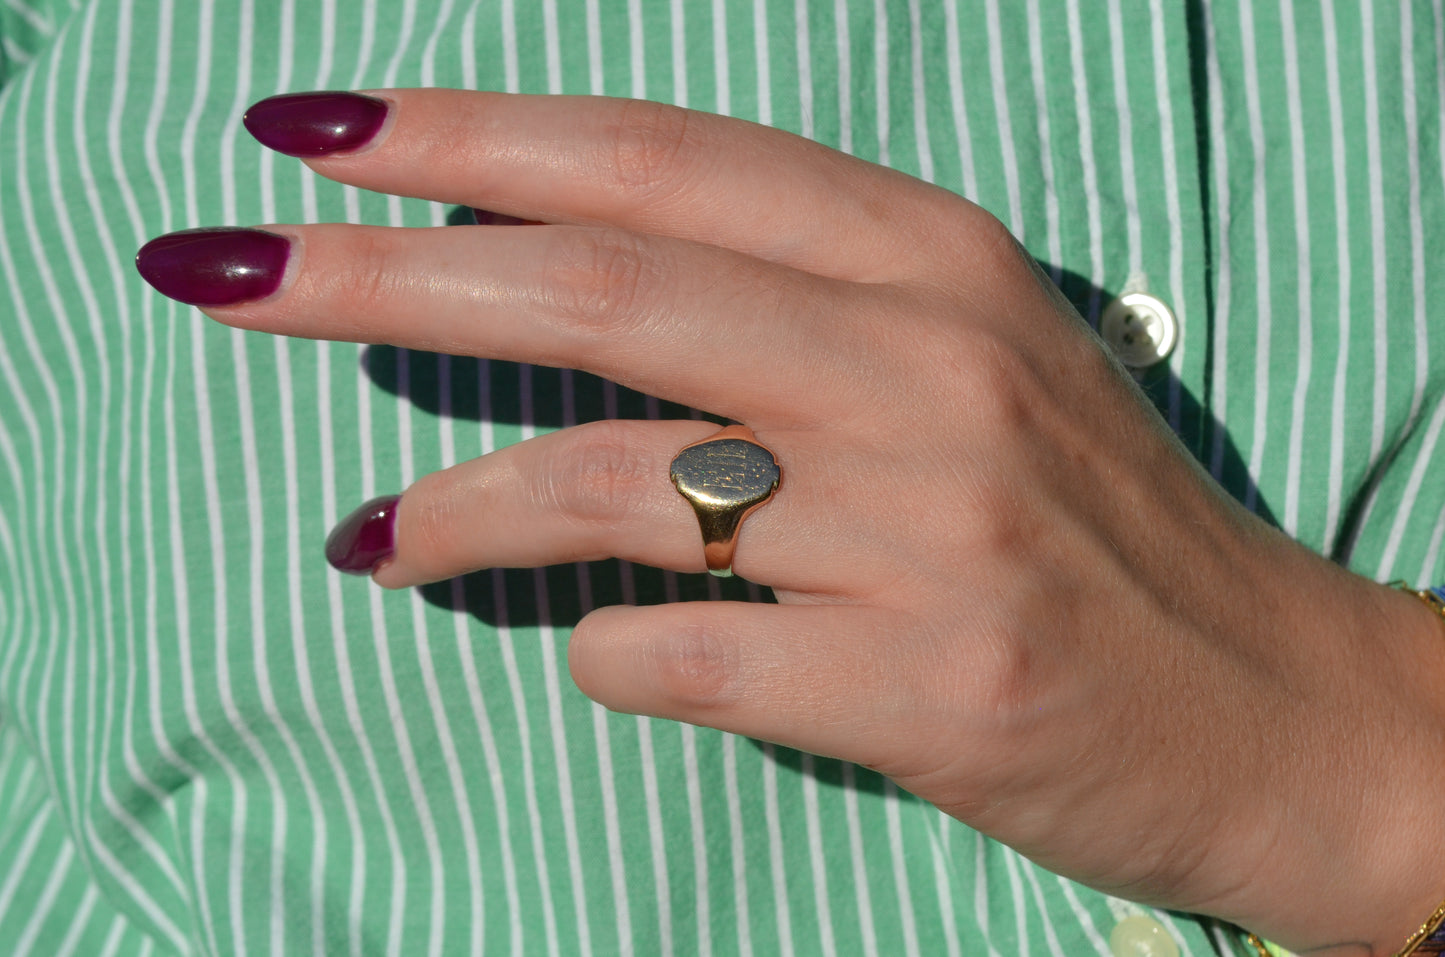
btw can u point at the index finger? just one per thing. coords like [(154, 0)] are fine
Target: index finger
[(647, 167)]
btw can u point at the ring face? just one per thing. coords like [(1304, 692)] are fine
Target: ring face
[(725, 478)]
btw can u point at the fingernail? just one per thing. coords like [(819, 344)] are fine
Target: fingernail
[(315, 124), (365, 538), (215, 267), (486, 217)]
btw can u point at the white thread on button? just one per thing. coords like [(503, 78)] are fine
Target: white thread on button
[(1141, 936), (1140, 329)]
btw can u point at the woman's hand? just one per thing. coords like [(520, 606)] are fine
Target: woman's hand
[(1001, 581)]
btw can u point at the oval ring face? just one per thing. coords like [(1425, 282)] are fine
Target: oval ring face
[(726, 474)]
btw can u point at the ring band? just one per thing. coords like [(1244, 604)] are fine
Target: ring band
[(725, 477)]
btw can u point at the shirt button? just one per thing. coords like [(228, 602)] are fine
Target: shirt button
[(1141, 936), (1140, 329)]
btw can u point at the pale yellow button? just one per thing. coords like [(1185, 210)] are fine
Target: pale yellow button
[(1141, 936), (1140, 329)]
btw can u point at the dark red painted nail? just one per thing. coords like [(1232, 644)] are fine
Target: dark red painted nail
[(215, 267), (365, 538), (314, 124)]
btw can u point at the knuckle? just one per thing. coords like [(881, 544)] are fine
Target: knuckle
[(371, 275), (653, 146), (694, 666), (596, 477), (598, 279), (429, 519)]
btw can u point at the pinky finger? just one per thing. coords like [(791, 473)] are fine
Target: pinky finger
[(833, 680)]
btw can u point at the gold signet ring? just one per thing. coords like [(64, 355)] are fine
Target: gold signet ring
[(726, 477)]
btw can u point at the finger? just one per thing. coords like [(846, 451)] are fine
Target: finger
[(689, 323), (600, 490), (643, 166), (834, 680)]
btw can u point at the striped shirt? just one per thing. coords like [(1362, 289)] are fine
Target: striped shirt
[(212, 744)]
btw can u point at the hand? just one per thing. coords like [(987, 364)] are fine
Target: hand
[(1001, 580)]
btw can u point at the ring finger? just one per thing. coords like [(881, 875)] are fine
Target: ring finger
[(594, 491)]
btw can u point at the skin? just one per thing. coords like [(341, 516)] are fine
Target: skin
[(1001, 580)]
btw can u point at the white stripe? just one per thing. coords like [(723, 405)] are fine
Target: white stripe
[(1343, 263), (79, 924), (401, 39), (892, 814), (701, 881), (1051, 936), (1404, 515), (18, 866), (813, 826), (920, 93), (943, 882), (1175, 214), (1125, 114), (1304, 359), (1264, 305), (551, 46), (1086, 920), (14, 52), (1219, 383), (1004, 119), (781, 907), (764, 59), (112, 941), (956, 99), (595, 76), (882, 123), (1428, 574), (440, 27), (509, 46), (862, 893), (805, 67), (720, 57), (637, 49), (736, 845), (1083, 117), (1013, 866), (25, 942), (1042, 101), (1378, 275), (657, 840), (845, 75), (679, 54), (36, 20)]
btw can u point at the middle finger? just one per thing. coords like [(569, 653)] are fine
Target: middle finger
[(686, 322)]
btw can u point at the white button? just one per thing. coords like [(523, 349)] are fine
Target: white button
[(1140, 329), (1141, 936)]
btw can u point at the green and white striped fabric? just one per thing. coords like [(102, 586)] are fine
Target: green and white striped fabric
[(212, 744)]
